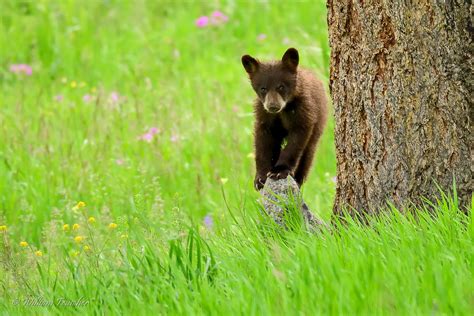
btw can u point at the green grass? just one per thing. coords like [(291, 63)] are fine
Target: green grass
[(189, 83)]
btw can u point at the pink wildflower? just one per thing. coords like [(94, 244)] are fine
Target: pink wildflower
[(334, 179), (174, 138), (202, 21), (14, 68), (153, 130), (87, 98), (58, 98), (119, 162), (217, 17), (114, 96), (148, 137), (261, 37), (21, 68)]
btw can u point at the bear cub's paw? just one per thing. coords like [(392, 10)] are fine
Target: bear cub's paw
[(279, 172), (259, 181)]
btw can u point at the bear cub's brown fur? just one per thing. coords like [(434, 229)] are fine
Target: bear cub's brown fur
[(291, 105)]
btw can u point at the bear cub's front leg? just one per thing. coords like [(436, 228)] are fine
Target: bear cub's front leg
[(289, 158), (267, 153)]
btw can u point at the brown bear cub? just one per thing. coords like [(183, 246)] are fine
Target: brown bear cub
[(291, 106)]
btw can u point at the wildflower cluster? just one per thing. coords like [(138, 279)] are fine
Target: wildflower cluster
[(216, 18), (84, 235), (150, 134), (89, 95), (24, 244), (22, 69), (75, 85)]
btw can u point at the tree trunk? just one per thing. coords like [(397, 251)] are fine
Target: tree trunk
[(401, 84)]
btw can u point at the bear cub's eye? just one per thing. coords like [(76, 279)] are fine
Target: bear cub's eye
[(281, 88), (263, 90)]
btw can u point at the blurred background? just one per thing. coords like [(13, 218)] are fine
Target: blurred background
[(110, 102)]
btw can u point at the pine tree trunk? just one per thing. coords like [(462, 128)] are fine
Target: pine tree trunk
[(401, 84)]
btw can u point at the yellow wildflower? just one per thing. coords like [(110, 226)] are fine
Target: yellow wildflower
[(74, 253), (124, 236), (82, 84), (251, 155), (91, 220), (73, 84), (87, 248), (66, 227), (112, 225), (78, 206), (75, 227), (64, 80), (93, 90), (3, 228), (38, 253), (23, 244), (79, 239), (224, 180)]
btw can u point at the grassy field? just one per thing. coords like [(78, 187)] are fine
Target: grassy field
[(126, 173)]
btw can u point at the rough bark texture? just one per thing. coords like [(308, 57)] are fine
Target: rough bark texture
[(401, 84), (277, 194)]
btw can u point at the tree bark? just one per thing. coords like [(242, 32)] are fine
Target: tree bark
[(401, 84)]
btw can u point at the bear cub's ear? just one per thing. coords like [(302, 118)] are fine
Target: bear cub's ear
[(250, 64), (290, 59)]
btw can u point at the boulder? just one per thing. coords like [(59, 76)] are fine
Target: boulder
[(277, 196)]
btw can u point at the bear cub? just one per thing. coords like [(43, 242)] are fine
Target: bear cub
[(291, 108)]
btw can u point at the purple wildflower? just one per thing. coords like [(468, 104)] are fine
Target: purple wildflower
[(58, 98), (334, 179), (261, 37), (208, 221), (202, 21), (119, 162)]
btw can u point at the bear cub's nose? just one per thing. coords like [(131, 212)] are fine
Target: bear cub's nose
[(273, 108)]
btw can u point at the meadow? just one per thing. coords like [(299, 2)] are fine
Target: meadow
[(126, 172)]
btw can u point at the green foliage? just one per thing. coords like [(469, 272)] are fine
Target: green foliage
[(103, 74)]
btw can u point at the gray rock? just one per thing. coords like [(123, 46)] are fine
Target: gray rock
[(280, 195)]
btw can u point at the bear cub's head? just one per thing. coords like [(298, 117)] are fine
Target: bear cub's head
[(274, 82)]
